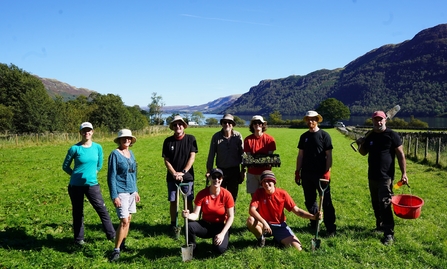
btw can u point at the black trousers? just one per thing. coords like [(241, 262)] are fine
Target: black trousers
[(231, 180), (311, 189), (93, 194), (205, 229), (381, 193)]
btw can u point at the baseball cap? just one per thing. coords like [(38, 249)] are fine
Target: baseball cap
[(379, 113), (216, 171), (86, 125)]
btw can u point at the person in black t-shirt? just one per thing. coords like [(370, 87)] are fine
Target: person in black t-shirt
[(383, 145), (179, 151), (314, 162)]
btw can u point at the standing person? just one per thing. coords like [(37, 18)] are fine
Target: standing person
[(179, 152), (314, 161), (227, 147), (88, 160), (383, 145), (217, 207), (122, 181), (257, 143), (267, 213)]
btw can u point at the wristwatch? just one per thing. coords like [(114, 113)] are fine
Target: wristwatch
[(184, 171)]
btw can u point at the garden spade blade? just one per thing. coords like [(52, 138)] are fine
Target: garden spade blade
[(315, 243)]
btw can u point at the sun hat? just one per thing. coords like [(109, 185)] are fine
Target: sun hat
[(268, 175), (257, 118), (379, 113), (125, 133), (177, 118), (216, 171), (311, 114), (86, 125), (228, 117)]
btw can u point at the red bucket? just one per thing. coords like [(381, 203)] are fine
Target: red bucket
[(407, 206)]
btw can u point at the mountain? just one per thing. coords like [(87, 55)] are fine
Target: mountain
[(215, 106), (55, 87), (412, 74)]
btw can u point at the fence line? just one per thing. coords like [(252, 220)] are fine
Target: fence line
[(33, 139), (426, 147)]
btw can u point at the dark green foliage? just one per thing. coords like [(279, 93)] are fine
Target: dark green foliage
[(333, 110), (211, 121)]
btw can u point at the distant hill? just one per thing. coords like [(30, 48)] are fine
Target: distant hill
[(215, 106), (55, 87), (412, 74)]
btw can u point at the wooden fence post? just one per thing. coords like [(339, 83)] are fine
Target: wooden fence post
[(416, 147), (438, 152), (409, 146), (426, 148)]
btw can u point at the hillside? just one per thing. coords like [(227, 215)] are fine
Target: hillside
[(55, 87), (412, 74), (215, 106)]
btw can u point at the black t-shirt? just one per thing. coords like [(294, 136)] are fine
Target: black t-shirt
[(314, 146), (177, 152), (381, 149)]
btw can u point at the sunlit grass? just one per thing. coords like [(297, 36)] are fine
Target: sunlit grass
[(35, 214)]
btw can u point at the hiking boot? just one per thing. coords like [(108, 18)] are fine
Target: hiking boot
[(79, 242), (114, 256), (261, 241), (331, 234), (388, 240)]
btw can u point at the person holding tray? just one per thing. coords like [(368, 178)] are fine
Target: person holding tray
[(257, 143)]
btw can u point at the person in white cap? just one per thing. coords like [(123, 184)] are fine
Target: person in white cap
[(314, 161), (383, 146), (88, 160), (227, 147), (122, 182), (267, 216), (179, 153), (217, 206), (257, 143)]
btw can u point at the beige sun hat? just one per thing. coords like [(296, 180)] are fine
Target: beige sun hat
[(257, 117), (312, 114), (125, 133), (228, 117), (177, 118)]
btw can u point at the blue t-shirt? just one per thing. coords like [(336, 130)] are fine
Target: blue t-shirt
[(121, 174), (87, 163)]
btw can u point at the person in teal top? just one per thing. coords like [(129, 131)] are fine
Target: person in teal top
[(88, 159), (122, 181)]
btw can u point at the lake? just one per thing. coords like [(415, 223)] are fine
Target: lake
[(353, 121)]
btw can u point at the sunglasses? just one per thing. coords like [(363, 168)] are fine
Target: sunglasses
[(216, 176), (227, 122), (257, 122)]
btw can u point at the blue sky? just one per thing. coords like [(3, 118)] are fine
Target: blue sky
[(192, 52)]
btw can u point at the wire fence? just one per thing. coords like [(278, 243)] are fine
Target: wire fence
[(428, 148), (35, 139)]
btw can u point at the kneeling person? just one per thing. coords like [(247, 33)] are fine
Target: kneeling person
[(267, 213), (217, 207)]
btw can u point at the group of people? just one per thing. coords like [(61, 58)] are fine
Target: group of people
[(214, 207)]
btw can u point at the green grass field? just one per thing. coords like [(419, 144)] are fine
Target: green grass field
[(35, 214)]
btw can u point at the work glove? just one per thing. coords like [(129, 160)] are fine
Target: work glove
[(327, 175), (297, 178)]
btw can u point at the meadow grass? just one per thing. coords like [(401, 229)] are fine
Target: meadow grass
[(35, 214)]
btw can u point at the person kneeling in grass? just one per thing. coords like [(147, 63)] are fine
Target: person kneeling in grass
[(267, 213)]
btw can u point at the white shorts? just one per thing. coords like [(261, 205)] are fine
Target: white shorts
[(253, 183), (128, 205)]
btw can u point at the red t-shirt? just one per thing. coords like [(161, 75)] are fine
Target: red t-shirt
[(259, 145), (271, 206), (214, 209)]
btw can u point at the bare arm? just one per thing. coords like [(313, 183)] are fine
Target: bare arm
[(299, 160), (402, 163), (218, 239), (304, 214), (328, 159), (193, 215)]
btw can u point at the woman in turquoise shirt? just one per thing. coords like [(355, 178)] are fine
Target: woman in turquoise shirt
[(88, 159)]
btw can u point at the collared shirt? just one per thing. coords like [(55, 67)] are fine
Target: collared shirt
[(228, 150)]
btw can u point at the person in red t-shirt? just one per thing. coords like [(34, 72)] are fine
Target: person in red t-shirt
[(267, 213), (217, 207), (257, 143)]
